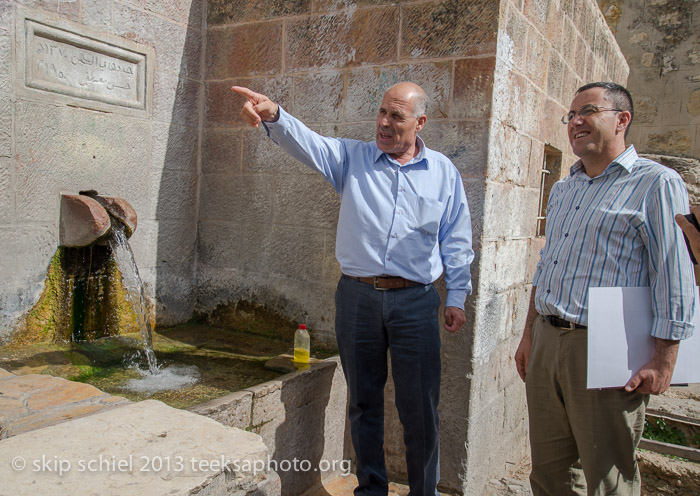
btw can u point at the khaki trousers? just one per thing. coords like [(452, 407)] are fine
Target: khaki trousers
[(582, 441)]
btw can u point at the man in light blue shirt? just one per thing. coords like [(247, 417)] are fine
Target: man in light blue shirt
[(610, 223), (403, 220)]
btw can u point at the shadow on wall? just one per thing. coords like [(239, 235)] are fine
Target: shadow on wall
[(301, 435), (305, 428), (175, 151)]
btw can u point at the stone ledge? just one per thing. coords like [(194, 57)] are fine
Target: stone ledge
[(300, 415), (30, 402), (140, 448)]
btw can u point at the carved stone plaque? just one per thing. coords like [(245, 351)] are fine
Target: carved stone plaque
[(70, 64)]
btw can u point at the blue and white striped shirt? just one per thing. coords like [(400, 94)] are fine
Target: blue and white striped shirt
[(618, 230)]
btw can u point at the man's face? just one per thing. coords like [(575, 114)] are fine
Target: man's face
[(591, 136), (397, 127)]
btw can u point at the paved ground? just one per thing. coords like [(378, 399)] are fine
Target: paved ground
[(343, 486), (661, 474)]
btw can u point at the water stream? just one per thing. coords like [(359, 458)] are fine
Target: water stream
[(155, 377)]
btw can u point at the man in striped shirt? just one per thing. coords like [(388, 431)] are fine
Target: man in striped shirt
[(610, 222)]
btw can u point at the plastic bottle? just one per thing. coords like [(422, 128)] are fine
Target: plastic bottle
[(302, 346)]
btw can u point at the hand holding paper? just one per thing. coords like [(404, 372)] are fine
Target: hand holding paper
[(620, 343), (655, 376)]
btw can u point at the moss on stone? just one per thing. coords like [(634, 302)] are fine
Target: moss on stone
[(251, 317), (84, 298)]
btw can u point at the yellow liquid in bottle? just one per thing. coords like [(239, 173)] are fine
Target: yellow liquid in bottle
[(301, 355)]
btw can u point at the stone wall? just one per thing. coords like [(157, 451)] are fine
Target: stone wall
[(61, 131), (546, 50), (300, 416), (661, 41), (267, 224)]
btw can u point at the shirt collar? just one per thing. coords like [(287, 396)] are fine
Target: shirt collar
[(415, 160), (626, 160)]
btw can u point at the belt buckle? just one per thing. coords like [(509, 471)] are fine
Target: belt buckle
[(572, 326), (377, 288)]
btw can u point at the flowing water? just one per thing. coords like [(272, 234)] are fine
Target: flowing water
[(155, 377)]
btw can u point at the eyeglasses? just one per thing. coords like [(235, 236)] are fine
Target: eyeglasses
[(586, 111)]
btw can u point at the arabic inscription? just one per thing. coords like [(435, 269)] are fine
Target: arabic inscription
[(84, 68)]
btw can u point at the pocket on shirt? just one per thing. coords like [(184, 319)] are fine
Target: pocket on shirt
[(428, 214)]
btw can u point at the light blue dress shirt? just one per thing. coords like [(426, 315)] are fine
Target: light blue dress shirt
[(400, 220), (618, 230)]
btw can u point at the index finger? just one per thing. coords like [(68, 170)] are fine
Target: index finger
[(241, 90)]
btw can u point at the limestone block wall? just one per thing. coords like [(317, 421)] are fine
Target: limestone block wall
[(661, 41), (55, 140), (546, 50)]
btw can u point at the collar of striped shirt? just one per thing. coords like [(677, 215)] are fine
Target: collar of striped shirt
[(626, 159)]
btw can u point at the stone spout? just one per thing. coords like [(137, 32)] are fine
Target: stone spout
[(85, 218), (83, 221), (118, 208)]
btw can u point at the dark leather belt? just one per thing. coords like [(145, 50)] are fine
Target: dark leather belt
[(383, 283), (563, 324)]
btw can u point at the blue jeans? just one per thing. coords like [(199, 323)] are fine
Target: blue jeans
[(405, 321)]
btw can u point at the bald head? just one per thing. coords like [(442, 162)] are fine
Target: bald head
[(401, 116), (410, 92)]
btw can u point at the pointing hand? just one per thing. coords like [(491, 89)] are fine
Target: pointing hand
[(257, 107)]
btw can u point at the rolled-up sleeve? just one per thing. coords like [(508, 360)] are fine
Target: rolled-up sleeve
[(670, 268)]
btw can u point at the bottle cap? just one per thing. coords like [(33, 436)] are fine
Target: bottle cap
[(302, 326)]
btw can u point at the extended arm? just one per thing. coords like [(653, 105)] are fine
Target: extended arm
[(325, 155)]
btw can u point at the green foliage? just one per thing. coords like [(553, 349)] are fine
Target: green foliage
[(658, 430), (695, 440)]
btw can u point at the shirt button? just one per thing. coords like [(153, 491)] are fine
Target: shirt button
[(401, 189), (399, 211), (577, 207), (566, 235), (590, 182), (555, 262), (549, 291), (388, 258), (393, 235)]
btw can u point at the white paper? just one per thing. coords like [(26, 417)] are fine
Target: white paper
[(620, 342)]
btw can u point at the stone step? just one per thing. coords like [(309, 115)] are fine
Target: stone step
[(30, 402), (139, 448)]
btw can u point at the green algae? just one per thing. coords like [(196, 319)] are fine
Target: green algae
[(228, 360), (252, 318), (258, 319), (83, 299)]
